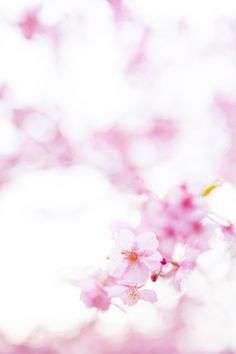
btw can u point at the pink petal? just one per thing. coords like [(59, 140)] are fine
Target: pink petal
[(128, 299), (125, 239), (179, 276), (98, 299), (116, 290), (178, 280), (147, 241), (88, 284), (136, 273), (153, 262), (104, 305), (117, 264), (148, 295)]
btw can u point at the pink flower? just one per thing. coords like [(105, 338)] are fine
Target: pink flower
[(184, 268), (130, 295), (179, 218), (94, 292), (134, 257)]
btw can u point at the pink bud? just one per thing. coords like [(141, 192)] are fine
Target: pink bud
[(163, 262), (154, 277)]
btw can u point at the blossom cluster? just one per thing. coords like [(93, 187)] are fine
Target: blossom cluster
[(166, 243), (113, 151), (87, 339), (44, 144)]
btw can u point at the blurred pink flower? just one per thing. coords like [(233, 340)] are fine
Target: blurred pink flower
[(31, 26), (179, 218), (162, 129), (134, 257), (113, 151), (94, 293), (119, 10)]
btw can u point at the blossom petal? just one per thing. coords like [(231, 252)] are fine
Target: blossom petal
[(153, 262), (148, 295), (181, 274), (116, 290), (127, 300), (178, 278), (136, 273), (87, 284), (147, 241), (124, 239), (116, 263)]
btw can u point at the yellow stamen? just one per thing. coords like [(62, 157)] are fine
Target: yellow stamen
[(132, 256), (210, 188)]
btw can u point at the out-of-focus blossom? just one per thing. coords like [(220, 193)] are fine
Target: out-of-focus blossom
[(226, 107), (178, 218), (47, 145), (31, 26), (7, 166), (94, 291), (109, 151), (120, 12), (114, 151), (162, 130)]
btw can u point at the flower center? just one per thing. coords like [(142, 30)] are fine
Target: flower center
[(133, 294), (132, 256)]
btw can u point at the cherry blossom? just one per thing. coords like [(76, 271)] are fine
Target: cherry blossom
[(171, 235), (134, 256), (94, 293), (178, 218), (165, 241), (130, 295)]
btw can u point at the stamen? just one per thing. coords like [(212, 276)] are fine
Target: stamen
[(133, 294), (133, 257)]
